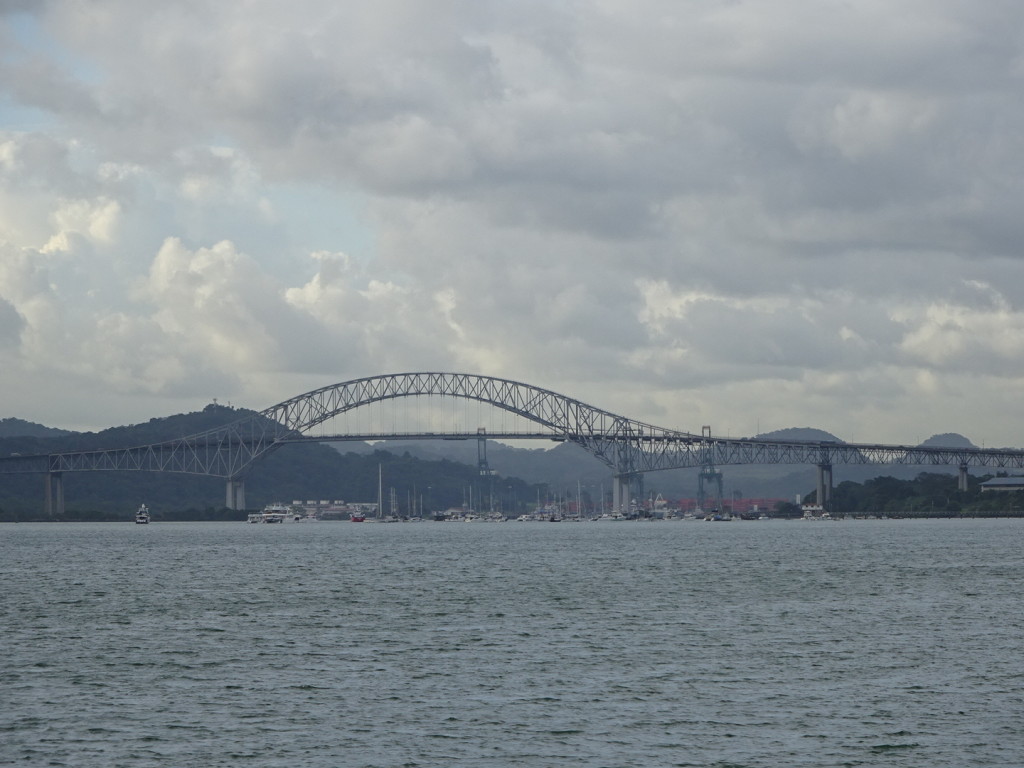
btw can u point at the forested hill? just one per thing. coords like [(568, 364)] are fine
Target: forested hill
[(439, 474), (297, 471), (20, 428)]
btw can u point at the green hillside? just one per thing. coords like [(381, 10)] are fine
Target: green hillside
[(295, 471), (20, 428)]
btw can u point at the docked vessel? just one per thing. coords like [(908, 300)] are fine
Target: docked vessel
[(274, 513), (142, 515), (815, 512), (716, 516)]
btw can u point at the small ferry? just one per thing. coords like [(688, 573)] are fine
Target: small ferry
[(815, 512), (142, 516), (274, 513)]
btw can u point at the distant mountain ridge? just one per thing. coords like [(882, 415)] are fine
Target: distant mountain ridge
[(801, 434), (566, 464), (948, 440), (12, 427), (561, 467), (300, 471), (809, 434)]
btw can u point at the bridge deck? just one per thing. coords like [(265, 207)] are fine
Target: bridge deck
[(627, 446)]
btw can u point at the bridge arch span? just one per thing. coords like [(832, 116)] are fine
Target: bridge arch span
[(628, 446), (617, 441), (566, 418), (227, 451)]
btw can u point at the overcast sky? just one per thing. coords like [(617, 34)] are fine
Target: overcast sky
[(747, 215)]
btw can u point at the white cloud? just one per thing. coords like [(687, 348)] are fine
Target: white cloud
[(680, 211), (861, 123), (214, 301)]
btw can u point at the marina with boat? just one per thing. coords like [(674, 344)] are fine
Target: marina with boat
[(280, 513)]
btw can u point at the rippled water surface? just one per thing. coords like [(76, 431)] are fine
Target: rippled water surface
[(857, 643)]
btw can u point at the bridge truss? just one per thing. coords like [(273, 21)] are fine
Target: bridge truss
[(629, 447)]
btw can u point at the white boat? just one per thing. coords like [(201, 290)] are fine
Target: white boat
[(142, 516), (274, 513), (815, 512)]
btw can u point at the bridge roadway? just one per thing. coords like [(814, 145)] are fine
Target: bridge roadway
[(628, 447)]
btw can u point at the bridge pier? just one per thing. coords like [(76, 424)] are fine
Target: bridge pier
[(235, 495), (825, 486), (709, 475), (623, 487), (622, 491), (961, 484), (54, 494)]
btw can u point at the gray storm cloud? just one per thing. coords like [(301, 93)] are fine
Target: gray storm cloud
[(727, 213)]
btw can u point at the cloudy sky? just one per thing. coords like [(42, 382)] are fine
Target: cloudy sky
[(746, 215)]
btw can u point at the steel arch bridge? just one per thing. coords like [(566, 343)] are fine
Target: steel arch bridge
[(629, 447)]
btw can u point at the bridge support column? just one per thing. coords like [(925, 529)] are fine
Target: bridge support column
[(825, 486), (620, 490), (961, 484), (623, 487), (235, 495), (54, 494), (708, 475)]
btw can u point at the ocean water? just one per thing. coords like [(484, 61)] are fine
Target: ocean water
[(676, 643)]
